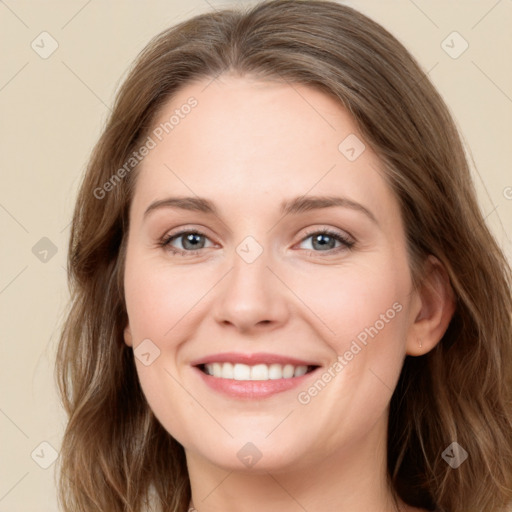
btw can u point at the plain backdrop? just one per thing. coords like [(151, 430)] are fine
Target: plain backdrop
[(53, 110)]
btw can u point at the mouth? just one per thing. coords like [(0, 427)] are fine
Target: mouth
[(253, 375), (257, 372)]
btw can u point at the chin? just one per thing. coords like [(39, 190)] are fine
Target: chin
[(255, 456)]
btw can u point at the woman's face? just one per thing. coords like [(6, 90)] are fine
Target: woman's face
[(261, 293)]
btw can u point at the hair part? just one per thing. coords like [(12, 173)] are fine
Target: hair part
[(115, 454)]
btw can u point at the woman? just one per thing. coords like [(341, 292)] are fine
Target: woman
[(284, 295)]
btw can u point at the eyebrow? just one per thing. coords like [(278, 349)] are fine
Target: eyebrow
[(288, 207)]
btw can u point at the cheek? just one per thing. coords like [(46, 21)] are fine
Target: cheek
[(356, 302), (159, 297), (160, 304), (368, 315), (362, 315)]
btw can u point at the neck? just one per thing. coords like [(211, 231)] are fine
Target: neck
[(352, 479)]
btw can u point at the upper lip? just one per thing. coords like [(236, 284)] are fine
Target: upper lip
[(251, 359)]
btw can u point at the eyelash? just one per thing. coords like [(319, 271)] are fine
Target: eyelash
[(346, 242)]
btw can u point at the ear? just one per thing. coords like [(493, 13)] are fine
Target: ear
[(436, 305), (128, 336)]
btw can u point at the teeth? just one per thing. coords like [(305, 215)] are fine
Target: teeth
[(240, 371), (289, 371), (300, 370), (259, 372)]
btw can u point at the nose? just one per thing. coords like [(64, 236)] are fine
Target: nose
[(252, 298)]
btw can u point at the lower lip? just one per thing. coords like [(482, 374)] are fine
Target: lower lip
[(252, 388)]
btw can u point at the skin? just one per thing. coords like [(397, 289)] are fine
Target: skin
[(247, 146)]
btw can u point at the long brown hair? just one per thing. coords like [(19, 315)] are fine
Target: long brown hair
[(115, 455)]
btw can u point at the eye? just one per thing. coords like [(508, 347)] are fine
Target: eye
[(326, 240), (191, 242)]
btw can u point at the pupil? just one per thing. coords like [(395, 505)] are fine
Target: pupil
[(328, 244), (192, 239)]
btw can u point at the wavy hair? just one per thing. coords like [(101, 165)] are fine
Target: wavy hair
[(115, 455)]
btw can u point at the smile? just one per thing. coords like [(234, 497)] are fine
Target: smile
[(259, 372), (253, 376)]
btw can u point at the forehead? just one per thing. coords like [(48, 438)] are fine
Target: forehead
[(248, 142)]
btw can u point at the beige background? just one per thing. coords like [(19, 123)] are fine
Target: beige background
[(52, 111)]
